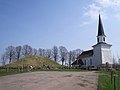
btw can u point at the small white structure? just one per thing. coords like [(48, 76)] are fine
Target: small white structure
[(100, 54)]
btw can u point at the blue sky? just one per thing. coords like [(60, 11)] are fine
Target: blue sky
[(71, 23)]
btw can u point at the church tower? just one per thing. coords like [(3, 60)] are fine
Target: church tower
[(102, 52), (101, 35)]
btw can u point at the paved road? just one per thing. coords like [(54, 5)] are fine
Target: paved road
[(50, 81)]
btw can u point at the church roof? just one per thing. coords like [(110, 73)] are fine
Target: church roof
[(105, 44), (100, 28), (78, 62), (85, 54)]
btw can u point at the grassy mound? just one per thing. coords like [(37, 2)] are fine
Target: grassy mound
[(34, 61)]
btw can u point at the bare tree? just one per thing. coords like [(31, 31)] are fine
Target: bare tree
[(118, 58), (27, 50), (78, 52), (48, 53), (3, 58), (70, 56), (119, 61), (18, 52), (40, 52), (34, 52), (44, 52), (74, 56), (114, 60), (63, 54), (55, 53), (10, 53)]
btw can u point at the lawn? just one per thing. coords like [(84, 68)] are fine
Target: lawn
[(4, 73), (10, 72), (105, 82)]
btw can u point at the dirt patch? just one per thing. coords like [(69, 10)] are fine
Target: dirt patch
[(81, 84), (68, 76), (50, 81)]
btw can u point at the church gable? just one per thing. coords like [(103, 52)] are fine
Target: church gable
[(85, 54)]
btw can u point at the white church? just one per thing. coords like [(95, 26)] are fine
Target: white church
[(100, 54)]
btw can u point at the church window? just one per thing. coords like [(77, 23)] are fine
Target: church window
[(103, 39), (90, 61), (85, 62)]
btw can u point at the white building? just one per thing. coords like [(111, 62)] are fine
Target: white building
[(100, 54)]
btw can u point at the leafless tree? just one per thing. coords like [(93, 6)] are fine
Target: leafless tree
[(10, 53), (44, 52), (78, 52), (74, 56), (114, 60), (3, 58), (18, 52), (63, 54), (27, 50), (70, 56), (118, 58), (40, 52), (55, 53), (34, 52), (48, 53)]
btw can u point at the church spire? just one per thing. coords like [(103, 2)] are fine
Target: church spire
[(101, 34), (100, 28)]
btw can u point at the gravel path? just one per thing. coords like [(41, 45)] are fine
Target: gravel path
[(50, 81)]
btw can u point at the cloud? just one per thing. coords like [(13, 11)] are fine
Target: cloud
[(92, 11), (103, 7), (115, 4), (117, 15)]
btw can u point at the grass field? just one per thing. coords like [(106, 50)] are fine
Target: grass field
[(105, 81), (10, 72), (4, 73)]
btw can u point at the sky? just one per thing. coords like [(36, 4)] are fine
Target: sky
[(69, 23)]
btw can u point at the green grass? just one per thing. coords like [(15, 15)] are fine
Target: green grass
[(62, 70), (4, 73), (34, 61), (104, 82)]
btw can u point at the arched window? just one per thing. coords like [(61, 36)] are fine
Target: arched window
[(85, 62), (103, 39), (90, 61)]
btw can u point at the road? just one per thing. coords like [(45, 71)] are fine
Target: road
[(53, 80)]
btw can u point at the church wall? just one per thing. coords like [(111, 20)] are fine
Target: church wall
[(97, 55), (102, 54), (106, 56), (88, 61)]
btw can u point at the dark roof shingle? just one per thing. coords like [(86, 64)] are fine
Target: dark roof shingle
[(85, 54), (78, 62)]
